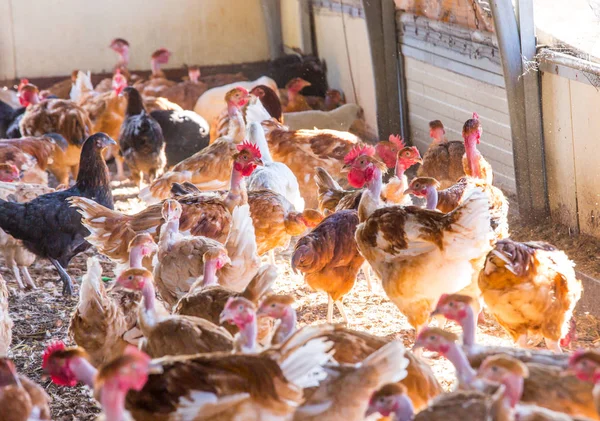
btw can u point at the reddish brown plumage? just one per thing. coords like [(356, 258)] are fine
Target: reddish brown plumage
[(328, 255)]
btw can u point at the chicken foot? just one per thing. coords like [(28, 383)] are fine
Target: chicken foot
[(553, 346), (340, 307), (28, 280), (366, 269), (17, 274), (64, 277)]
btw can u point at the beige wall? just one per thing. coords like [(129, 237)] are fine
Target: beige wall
[(435, 93), (343, 69), (572, 160), (53, 37)]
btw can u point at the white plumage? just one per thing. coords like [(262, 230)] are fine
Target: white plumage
[(339, 119), (210, 103), (272, 175)]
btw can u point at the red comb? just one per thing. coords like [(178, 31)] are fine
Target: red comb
[(241, 88), (359, 151), (51, 349), (397, 140), (251, 147), (22, 83), (475, 116)]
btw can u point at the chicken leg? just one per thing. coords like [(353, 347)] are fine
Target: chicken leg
[(27, 277), (64, 277), (329, 309), (272, 257), (15, 270), (366, 269), (342, 310)]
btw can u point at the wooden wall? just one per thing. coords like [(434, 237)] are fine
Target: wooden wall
[(54, 37), (450, 73), (572, 153)]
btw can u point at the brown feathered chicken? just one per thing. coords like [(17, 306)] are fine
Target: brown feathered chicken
[(16, 256), (210, 168), (228, 387), (295, 100), (104, 322), (32, 155), (6, 323), (333, 198), (157, 81), (166, 334), (107, 112), (329, 259), (20, 398), (347, 390), (305, 150), (352, 347), (276, 220), (530, 288), (547, 386), (419, 254), (474, 164), (586, 366), (222, 79), (443, 159), (181, 260), (449, 199), (57, 116), (207, 298), (62, 89), (186, 93)]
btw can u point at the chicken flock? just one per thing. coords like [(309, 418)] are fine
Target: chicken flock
[(190, 328)]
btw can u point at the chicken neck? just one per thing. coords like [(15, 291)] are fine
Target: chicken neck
[(237, 125), (210, 272), (248, 333), (469, 326), (136, 257), (237, 191), (155, 66), (93, 179), (403, 408), (514, 389), (454, 353), (113, 402), (149, 297), (371, 199), (135, 104), (123, 61), (288, 324), (168, 234), (83, 370), (472, 154), (431, 196)]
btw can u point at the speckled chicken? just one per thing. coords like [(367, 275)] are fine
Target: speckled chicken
[(530, 288)]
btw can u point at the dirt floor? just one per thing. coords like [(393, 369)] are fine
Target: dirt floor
[(43, 315)]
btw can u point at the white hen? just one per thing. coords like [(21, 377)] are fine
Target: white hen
[(272, 175), (210, 103)]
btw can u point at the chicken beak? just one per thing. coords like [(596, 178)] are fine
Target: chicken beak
[(259, 162), (409, 191), (225, 317), (346, 168), (436, 311), (419, 161)]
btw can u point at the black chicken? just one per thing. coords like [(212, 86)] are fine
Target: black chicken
[(141, 139), (9, 121), (48, 226), (185, 133)]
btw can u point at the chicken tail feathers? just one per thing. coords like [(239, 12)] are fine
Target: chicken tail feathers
[(329, 191), (261, 283), (92, 290), (303, 355), (389, 363), (109, 230), (12, 218), (161, 187)]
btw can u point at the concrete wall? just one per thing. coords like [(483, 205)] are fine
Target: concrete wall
[(53, 37), (572, 160), (350, 71), (436, 93)]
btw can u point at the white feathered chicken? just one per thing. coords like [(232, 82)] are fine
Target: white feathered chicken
[(272, 175)]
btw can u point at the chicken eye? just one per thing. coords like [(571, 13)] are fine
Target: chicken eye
[(432, 338), (450, 304), (494, 369), (273, 305), (240, 307), (130, 278)]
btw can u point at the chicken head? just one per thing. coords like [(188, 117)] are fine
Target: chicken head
[(238, 311), (276, 306), (387, 150), (505, 370), (436, 340), (360, 164), (119, 82), (28, 94), (585, 364), (194, 73), (247, 158), (437, 131), (392, 400), (237, 97), (453, 306), (66, 366), (171, 210), (134, 279), (297, 84), (9, 173)]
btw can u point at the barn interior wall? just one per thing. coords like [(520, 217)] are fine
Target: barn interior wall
[(52, 38)]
